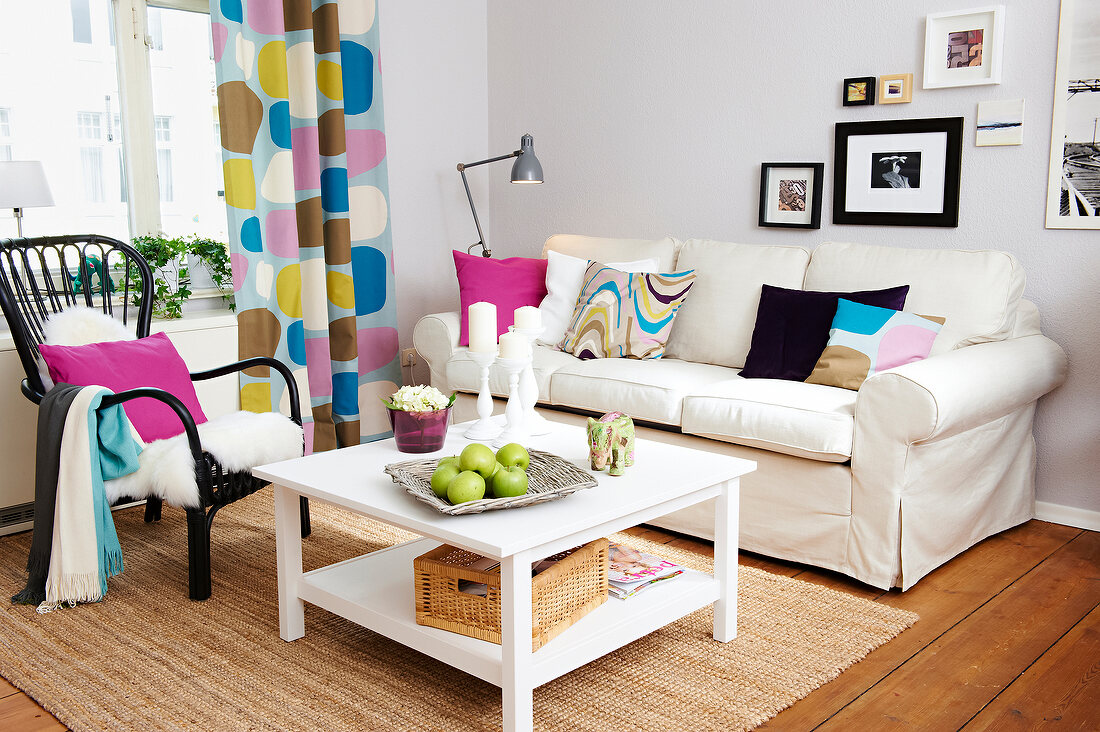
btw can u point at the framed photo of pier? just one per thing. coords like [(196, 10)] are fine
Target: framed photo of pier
[(790, 195), (903, 172), (1073, 184), (963, 47)]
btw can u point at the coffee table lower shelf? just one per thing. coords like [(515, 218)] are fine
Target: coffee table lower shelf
[(376, 591)]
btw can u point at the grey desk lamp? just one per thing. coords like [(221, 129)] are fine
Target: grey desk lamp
[(526, 169)]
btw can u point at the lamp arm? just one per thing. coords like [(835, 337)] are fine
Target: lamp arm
[(481, 237), (485, 251)]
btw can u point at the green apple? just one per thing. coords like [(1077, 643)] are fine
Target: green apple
[(489, 480), (466, 486), (510, 482), (514, 454), (452, 460), (442, 477), (479, 458)]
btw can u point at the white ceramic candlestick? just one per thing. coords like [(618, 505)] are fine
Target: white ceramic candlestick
[(515, 431), (484, 429), (528, 387)]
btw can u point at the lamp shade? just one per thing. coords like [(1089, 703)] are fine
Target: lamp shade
[(527, 168), (23, 184)]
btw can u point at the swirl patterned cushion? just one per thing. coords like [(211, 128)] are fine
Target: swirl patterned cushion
[(625, 314)]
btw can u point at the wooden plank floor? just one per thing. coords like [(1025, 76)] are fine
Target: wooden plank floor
[(1009, 638)]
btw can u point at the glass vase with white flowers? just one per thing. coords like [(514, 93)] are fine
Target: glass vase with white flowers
[(419, 416)]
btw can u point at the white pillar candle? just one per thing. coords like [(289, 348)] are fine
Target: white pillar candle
[(528, 317), (513, 345), (482, 317)]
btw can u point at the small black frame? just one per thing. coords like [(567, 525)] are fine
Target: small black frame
[(949, 213), (769, 217), (870, 81)]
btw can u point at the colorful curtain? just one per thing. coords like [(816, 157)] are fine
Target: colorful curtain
[(304, 155)]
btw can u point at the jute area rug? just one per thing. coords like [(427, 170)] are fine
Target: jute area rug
[(149, 658)]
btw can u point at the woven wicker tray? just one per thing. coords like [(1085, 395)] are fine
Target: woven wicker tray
[(549, 477)]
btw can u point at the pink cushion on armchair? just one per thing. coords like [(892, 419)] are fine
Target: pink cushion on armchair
[(507, 283), (122, 365)]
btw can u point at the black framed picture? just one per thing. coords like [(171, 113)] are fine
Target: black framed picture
[(859, 90), (898, 172), (790, 195)]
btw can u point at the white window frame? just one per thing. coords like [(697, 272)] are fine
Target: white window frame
[(135, 83), (7, 147)]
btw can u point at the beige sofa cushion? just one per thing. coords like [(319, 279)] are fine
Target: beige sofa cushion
[(976, 291), (604, 249), (715, 323), (651, 390), (791, 417)]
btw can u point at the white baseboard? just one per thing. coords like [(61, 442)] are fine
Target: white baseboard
[(1081, 518)]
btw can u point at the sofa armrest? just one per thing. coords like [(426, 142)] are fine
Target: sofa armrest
[(435, 338), (960, 390)]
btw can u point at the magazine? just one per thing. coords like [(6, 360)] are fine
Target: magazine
[(631, 571)]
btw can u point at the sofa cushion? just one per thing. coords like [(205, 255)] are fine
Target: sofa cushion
[(977, 292), (715, 323), (648, 390), (507, 283), (792, 328), (625, 315), (564, 280), (804, 420), (865, 340), (606, 249), (465, 375)]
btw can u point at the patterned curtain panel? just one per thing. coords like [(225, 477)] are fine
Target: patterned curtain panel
[(304, 151)]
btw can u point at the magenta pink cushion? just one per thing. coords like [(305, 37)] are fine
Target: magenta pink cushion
[(122, 365), (507, 283)]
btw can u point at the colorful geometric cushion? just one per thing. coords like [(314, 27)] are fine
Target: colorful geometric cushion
[(865, 340), (122, 365), (507, 283), (624, 315), (792, 328)]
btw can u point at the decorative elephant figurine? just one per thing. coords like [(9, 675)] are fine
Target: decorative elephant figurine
[(611, 442)]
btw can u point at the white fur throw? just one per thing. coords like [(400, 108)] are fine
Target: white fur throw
[(239, 441), (79, 326)]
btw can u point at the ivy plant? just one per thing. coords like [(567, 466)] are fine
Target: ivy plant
[(167, 257)]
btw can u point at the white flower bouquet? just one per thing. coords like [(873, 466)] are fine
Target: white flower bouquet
[(419, 399)]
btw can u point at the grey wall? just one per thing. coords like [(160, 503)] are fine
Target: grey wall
[(433, 55), (652, 118)]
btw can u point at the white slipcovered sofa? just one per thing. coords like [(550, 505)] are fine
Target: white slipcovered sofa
[(884, 484)]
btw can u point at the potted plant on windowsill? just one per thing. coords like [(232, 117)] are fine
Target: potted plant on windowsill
[(173, 261)]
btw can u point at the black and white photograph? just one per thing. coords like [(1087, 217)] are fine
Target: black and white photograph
[(895, 169), (903, 172), (1073, 187)]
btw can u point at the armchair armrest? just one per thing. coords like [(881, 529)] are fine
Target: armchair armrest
[(959, 390), (282, 368), (173, 402), (435, 338)]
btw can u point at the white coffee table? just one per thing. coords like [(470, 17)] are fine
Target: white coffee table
[(376, 590)]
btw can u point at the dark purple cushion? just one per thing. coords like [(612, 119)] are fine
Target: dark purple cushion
[(792, 328)]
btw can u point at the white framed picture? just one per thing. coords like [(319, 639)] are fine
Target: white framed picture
[(963, 48), (999, 123), (1073, 183)]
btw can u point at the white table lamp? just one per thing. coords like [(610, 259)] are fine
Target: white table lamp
[(23, 185)]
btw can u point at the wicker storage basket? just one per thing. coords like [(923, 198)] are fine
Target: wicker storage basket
[(560, 595)]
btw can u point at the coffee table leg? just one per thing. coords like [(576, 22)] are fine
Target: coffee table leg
[(288, 557), (516, 686), (725, 561)]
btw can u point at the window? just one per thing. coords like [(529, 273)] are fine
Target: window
[(90, 133), (82, 21), (5, 134), (163, 127), (156, 29)]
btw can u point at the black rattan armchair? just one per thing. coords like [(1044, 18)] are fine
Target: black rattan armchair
[(44, 275)]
